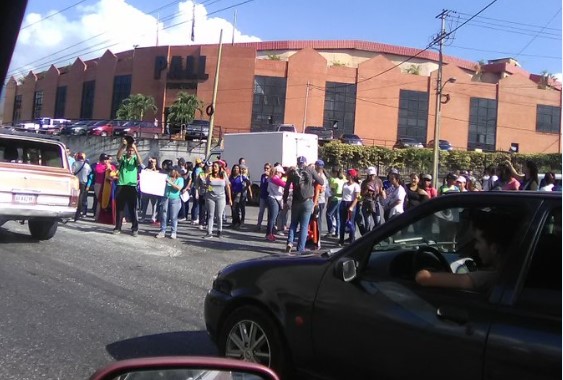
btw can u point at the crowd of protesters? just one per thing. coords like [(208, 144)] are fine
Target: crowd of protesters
[(293, 201)]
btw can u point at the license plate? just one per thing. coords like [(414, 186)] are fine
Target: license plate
[(25, 198)]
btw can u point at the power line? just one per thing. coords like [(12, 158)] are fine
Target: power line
[(508, 22), (85, 50), (534, 38), (53, 14)]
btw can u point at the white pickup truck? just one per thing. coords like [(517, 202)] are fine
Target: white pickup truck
[(36, 184)]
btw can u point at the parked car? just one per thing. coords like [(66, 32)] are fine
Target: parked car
[(137, 128), (324, 134), (105, 129), (197, 130), (351, 139), (285, 128), (358, 313), (407, 142), (442, 145), (37, 185), (80, 128)]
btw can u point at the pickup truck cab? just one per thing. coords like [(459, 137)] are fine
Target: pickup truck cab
[(37, 185)]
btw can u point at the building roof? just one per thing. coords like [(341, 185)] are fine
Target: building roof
[(375, 47)]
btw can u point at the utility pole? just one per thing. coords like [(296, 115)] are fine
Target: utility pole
[(214, 98), (437, 115), (306, 106)]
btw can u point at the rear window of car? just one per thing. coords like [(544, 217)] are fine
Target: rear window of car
[(31, 153)]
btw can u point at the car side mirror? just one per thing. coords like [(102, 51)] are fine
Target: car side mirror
[(184, 368), (346, 270)]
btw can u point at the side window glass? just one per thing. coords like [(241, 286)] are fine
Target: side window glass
[(542, 287), (471, 240)]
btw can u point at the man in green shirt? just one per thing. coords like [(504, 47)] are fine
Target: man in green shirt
[(126, 193)]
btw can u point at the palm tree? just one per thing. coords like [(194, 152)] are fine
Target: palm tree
[(183, 110), (135, 106)]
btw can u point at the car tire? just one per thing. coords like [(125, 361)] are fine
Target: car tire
[(272, 350), (43, 229)]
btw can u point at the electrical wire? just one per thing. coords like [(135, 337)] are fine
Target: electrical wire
[(52, 14), (87, 50), (534, 38)]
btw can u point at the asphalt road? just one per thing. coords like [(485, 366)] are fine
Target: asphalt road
[(86, 297)]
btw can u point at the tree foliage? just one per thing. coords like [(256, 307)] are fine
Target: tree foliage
[(135, 107), (183, 110), (336, 153)]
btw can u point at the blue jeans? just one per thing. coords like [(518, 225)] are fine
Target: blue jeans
[(333, 215), (264, 203), (300, 215), (195, 206), (170, 208), (343, 211), (273, 211)]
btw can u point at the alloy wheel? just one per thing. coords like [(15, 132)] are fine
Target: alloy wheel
[(248, 341)]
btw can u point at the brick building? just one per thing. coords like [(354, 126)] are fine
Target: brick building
[(361, 87)]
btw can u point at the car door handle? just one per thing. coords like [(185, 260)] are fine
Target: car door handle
[(453, 314)]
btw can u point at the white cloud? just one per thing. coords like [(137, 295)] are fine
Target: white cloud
[(111, 24)]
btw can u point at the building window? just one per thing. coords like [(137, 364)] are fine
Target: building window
[(121, 90), (37, 104), (268, 105), (60, 102), (413, 115), (340, 107), (17, 109), (548, 119), (87, 102), (482, 124)]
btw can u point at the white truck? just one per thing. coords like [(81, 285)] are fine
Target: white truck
[(257, 148)]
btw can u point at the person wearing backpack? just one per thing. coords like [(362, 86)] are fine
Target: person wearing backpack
[(302, 178)]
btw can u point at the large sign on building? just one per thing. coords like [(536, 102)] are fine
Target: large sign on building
[(190, 71)]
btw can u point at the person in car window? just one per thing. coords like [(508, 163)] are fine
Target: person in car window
[(492, 234)]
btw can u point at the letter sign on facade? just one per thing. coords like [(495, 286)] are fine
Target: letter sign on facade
[(194, 70)]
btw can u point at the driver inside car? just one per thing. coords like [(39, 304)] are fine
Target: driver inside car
[(491, 235)]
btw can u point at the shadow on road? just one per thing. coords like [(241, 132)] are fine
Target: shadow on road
[(194, 343)]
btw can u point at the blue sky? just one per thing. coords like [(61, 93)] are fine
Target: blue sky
[(529, 31)]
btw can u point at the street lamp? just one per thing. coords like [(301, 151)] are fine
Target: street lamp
[(437, 121)]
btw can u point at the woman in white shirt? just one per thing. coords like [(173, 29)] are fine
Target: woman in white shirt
[(347, 210), (394, 203)]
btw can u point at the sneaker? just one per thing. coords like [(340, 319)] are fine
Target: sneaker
[(173, 235), (201, 227), (208, 236), (160, 235), (288, 248), (135, 233), (271, 237), (195, 221), (116, 232), (219, 234), (155, 223), (258, 228)]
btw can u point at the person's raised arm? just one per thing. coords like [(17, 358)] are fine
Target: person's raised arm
[(121, 149), (139, 159)]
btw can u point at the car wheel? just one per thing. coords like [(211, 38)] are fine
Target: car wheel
[(250, 335), (43, 229), (103, 134)]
